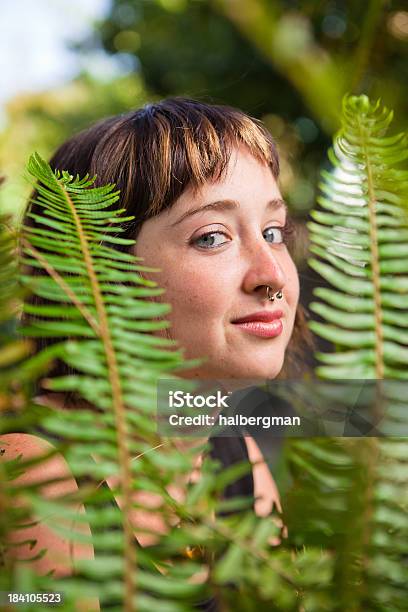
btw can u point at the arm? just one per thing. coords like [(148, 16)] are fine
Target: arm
[(265, 490)]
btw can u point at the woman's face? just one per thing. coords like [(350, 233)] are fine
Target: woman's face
[(218, 248)]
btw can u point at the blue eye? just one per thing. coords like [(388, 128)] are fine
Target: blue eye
[(276, 233), (273, 234), (208, 241)]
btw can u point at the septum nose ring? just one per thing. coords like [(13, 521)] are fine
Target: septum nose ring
[(271, 297)]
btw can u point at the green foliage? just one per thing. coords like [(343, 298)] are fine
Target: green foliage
[(359, 239), (353, 492), (287, 63), (17, 370), (97, 296), (41, 121), (346, 507), (244, 52), (116, 362), (16, 386)]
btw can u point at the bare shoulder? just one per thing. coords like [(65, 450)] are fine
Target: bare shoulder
[(27, 445), (61, 554)]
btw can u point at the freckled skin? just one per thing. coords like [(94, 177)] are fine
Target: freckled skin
[(208, 287)]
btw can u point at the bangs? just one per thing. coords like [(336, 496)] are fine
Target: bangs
[(193, 145), (155, 153)]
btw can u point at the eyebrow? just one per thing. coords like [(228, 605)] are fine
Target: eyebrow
[(273, 205)]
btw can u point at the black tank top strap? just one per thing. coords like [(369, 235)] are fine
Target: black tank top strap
[(231, 450)]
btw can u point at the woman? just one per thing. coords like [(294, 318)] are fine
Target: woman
[(201, 182)]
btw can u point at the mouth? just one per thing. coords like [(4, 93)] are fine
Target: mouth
[(264, 324)]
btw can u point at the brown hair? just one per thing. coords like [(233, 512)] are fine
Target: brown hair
[(154, 153)]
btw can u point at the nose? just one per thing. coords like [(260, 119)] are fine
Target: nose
[(264, 268)]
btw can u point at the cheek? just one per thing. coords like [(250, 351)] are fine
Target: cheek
[(194, 295), (292, 282)]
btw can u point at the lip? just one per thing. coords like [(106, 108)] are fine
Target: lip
[(262, 316), (264, 324), (264, 330)]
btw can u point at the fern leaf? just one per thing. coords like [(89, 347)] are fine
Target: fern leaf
[(348, 488), (362, 234), (105, 292)]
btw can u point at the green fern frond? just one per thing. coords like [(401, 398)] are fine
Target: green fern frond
[(14, 379), (91, 290), (8, 269), (353, 491), (16, 384), (359, 242)]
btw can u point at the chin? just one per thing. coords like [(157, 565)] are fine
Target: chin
[(259, 368), (266, 373), (255, 371)]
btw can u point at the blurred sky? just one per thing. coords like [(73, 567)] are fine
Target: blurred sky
[(34, 44)]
